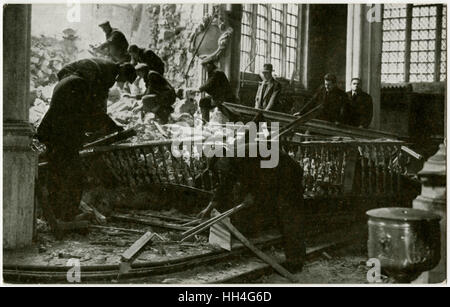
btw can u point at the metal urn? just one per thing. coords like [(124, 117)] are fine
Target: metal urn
[(406, 241)]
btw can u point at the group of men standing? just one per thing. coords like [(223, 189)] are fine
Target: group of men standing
[(353, 108)]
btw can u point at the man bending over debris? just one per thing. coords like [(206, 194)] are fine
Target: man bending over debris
[(116, 43), (146, 56), (218, 88), (271, 192), (78, 105), (159, 97)]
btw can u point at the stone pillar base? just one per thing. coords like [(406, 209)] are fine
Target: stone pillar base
[(19, 172)]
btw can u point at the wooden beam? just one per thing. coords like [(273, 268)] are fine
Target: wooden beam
[(205, 225), (266, 258), (124, 218), (100, 218), (169, 218), (116, 229), (137, 247), (314, 125)]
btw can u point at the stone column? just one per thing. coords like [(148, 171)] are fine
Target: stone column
[(19, 161), (433, 198), (364, 43), (233, 55)]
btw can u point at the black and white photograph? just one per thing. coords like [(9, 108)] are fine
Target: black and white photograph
[(215, 143)]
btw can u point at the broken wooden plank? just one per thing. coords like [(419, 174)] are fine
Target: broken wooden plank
[(112, 138), (411, 152), (266, 258), (168, 218), (124, 218), (314, 125), (205, 225), (117, 229), (193, 222), (137, 246), (100, 218)]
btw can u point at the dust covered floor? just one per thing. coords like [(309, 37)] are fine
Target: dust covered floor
[(343, 266), (105, 246), (328, 262)]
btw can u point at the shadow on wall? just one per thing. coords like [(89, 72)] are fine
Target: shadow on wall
[(328, 43)]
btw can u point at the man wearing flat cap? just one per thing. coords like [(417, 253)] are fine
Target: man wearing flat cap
[(333, 101), (116, 43), (78, 106), (268, 91), (146, 56), (217, 87)]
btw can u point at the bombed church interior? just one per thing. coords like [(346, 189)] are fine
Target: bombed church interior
[(224, 143)]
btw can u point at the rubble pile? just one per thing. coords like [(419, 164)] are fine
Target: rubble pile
[(171, 27), (48, 56)]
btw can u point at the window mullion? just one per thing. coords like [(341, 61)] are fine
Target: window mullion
[(254, 30), (284, 26), (269, 34), (300, 43), (408, 32), (438, 42)]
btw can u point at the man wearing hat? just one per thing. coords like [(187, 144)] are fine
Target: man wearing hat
[(78, 106), (159, 97), (333, 101), (218, 88), (359, 111), (146, 56), (116, 43), (268, 91), (274, 195)]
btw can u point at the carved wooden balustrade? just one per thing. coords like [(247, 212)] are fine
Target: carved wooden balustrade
[(150, 163), (348, 168), (333, 168)]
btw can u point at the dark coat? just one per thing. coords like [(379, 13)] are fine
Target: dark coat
[(78, 104), (152, 60), (159, 86), (218, 87), (117, 39), (359, 110), (334, 103), (269, 99), (117, 46), (277, 192)]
